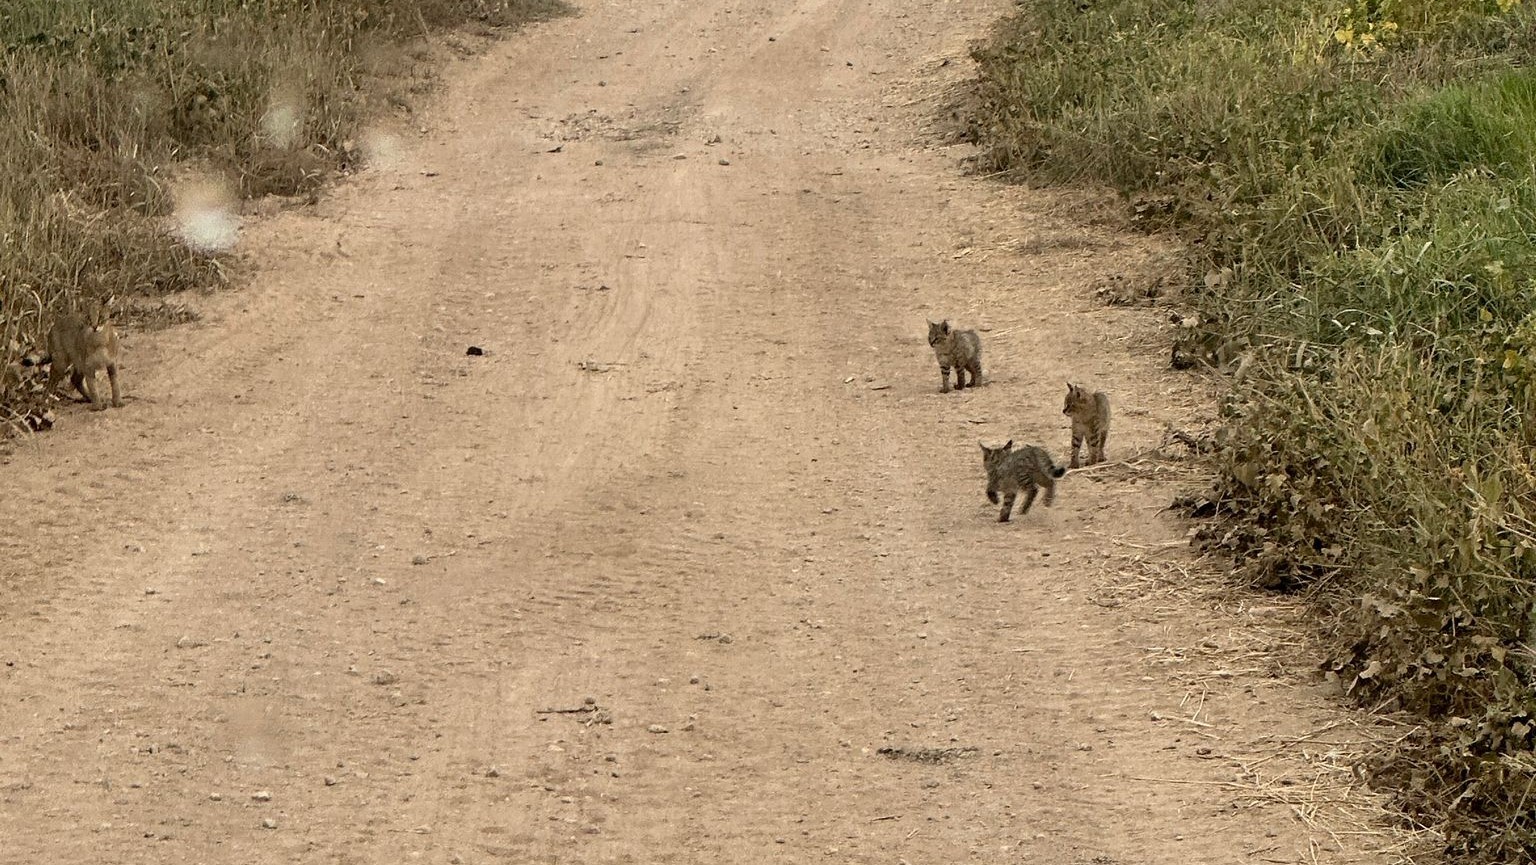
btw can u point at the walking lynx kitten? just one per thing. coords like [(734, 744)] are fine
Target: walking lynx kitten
[(81, 346), (960, 349), (1090, 421), (1026, 469)]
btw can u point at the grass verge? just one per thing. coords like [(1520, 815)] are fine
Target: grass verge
[(1354, 184)]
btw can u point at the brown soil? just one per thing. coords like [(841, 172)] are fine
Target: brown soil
[(308, 597)]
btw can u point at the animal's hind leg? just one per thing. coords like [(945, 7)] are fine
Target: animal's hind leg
[(55, 377), (117, 396), (88, 382), (1050, 493), (1096, 453), (86, 386), (1029, 499), (1002, 515)]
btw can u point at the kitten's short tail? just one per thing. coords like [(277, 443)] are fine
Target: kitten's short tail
[(1057, 471), (35, 359)]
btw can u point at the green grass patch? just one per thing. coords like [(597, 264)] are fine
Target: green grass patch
[(1485, 125), (1357, 182)]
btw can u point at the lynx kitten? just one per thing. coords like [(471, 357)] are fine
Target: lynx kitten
[(1009, 471), (1090, 421), (960, 349)]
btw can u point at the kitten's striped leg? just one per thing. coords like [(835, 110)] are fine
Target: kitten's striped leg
[(1029, 499)]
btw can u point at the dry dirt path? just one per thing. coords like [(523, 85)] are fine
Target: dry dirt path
[(325, 570)]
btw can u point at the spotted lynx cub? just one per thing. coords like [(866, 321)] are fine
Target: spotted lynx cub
[(81, 346), (1026, 469), (960, 349), (1090, 421)]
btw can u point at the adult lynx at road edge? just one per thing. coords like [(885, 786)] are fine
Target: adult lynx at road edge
[(81, 346)]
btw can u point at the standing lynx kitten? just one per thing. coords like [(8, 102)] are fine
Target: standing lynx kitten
[(960, 349), (1026, 469), (1090, 421), (81, 346)]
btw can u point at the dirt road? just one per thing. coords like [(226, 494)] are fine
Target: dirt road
[(307, 597)]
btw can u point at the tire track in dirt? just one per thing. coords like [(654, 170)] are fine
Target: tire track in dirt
[(702, 477)]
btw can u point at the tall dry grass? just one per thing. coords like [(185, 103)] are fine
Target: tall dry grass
[(119, 121)]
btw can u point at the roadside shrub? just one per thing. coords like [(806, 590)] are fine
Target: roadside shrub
[(1357, 182)]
